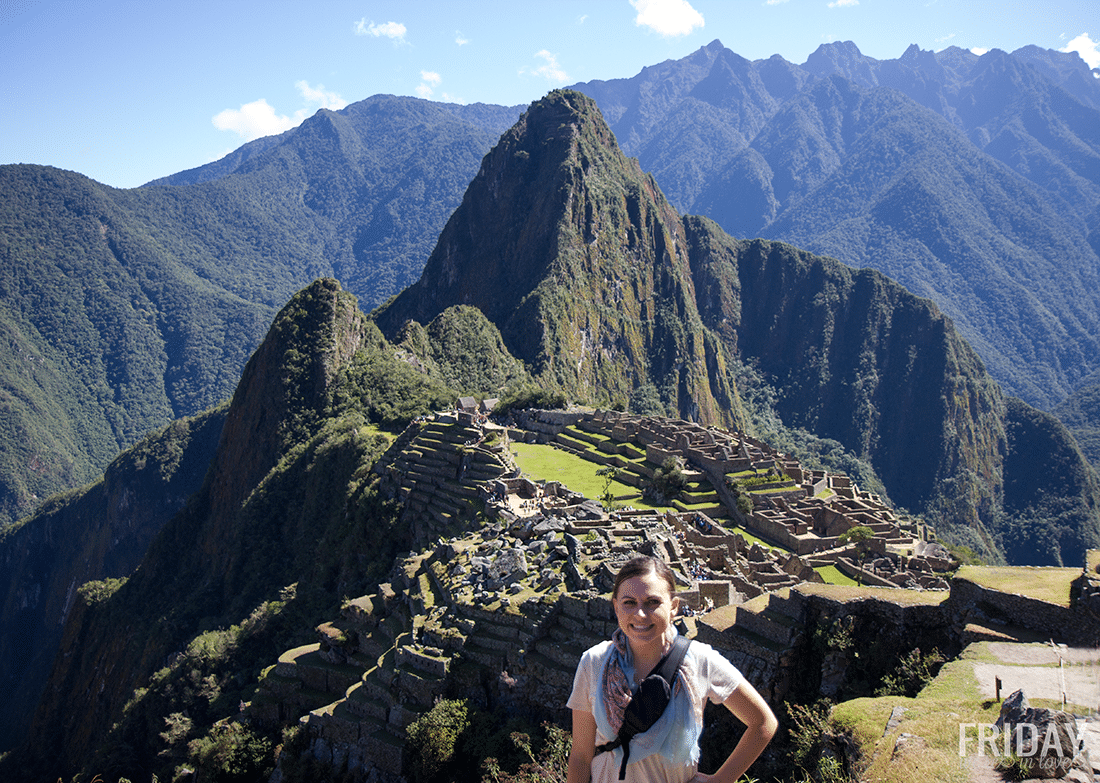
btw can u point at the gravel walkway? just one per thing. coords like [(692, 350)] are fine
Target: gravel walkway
[(1035, 668)]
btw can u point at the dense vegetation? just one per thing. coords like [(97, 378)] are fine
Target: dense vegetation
[(464, 350), (582, 274), (1080, 412), (974, 181), (122, 310), (1051, 492)]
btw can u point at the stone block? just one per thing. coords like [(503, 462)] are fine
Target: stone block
[(600, 608)]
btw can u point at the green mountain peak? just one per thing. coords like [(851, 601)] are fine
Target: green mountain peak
[(580, 261)]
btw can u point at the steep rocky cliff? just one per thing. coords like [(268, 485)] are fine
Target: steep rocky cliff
[(576, 256), (857, 358), (99, 532)]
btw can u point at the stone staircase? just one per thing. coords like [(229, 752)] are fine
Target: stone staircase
[(551, 661), (757, 635), (390, 657)]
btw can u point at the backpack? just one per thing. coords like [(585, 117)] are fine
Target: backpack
[(648, 702)]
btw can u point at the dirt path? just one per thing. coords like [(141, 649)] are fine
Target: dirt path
[(1043, 672)]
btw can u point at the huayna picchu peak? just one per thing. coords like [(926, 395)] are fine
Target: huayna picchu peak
[(573, 252)]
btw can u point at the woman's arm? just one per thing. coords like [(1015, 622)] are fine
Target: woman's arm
[(760, 726), (584, 747)]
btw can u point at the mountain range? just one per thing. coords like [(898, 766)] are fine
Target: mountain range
[(597, 286), (973, 181)]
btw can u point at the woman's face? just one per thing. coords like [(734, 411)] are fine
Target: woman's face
[(644, 607)]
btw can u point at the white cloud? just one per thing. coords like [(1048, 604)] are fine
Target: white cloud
[(393, 30), (667, 17), (843, 3), (320, 96), (978, 50), (429, 80), (1087, 48), (460, 39), (258, 118), (549, 70), (253, 120), (775, 2)]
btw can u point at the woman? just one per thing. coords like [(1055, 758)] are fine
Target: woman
[(645, 605)]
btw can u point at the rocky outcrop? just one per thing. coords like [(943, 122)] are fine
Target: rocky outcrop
[(584, 270), (217, 555)]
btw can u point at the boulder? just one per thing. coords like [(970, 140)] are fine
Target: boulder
[(1046, 738)]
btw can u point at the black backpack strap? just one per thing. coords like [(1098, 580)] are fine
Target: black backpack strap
[(670, 664)]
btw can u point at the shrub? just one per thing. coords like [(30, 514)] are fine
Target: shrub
[(526, 396), (431, 739), (550, 764), (231, 753), (912, 674), (813, 741), (668, 481)]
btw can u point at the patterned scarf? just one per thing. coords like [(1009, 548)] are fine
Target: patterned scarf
[(616, 686)]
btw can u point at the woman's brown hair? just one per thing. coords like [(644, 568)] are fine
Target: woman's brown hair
[(643, 566)]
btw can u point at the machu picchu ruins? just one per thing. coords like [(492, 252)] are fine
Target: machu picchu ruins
[(511, 580)]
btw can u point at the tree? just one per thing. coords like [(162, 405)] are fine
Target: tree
[(668, 481), (608, 473), (431, 738), (861, 536)]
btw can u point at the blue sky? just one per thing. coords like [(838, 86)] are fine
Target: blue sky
[(125, 91)]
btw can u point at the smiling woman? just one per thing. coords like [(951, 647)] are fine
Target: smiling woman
[(621, 730)]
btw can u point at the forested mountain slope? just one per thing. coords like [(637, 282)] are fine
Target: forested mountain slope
[(122, 310), (972, 180)]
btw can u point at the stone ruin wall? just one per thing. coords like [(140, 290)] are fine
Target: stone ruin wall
[(524, 663)]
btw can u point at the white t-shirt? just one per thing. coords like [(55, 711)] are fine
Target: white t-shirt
[(714, 678)]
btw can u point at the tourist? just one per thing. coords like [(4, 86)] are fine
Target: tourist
[(645, 605)]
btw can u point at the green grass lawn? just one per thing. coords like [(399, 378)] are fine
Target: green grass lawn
[(750, 538), (834, 576), (1044, 584), (546, 463)]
